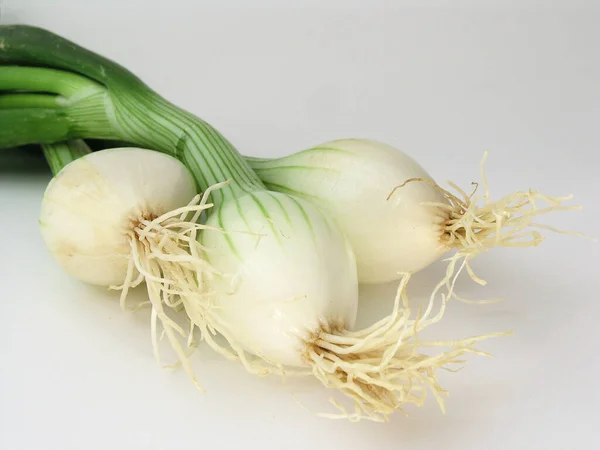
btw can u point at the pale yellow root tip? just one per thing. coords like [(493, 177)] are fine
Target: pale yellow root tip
[(476, 223), (166, 254), (381, 369)]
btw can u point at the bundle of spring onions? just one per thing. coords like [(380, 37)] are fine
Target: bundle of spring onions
[(268, 254)]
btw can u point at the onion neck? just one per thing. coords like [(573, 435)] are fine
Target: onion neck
[(140, 117), (148, 120), (106, 101)]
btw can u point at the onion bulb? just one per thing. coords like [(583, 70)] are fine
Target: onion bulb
[(396, 216), (112, 218)]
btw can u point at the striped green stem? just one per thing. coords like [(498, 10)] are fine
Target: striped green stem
[(60, 154), (26, 124), (136, 113), (39, 118)]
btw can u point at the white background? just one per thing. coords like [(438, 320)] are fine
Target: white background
[(442, 82)]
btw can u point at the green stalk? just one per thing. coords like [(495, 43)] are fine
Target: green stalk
[(30, 101), (22, 123), (33, 126), (27, 45), (60, 154), (33, 118), (45, 80), (137, 114)]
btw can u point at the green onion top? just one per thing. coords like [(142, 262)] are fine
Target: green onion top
[(100, 99)]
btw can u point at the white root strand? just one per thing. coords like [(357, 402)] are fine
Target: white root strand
[(167, 256), (476, 224), (380, 371), (383, 370)]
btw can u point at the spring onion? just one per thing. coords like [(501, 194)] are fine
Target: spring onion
[(396, 216), (270, 272)]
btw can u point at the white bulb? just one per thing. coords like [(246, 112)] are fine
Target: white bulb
[(92, 205), (290, 271), (351, 180)]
